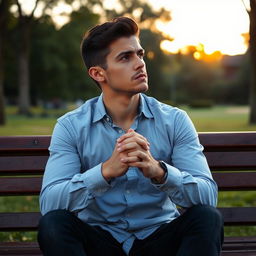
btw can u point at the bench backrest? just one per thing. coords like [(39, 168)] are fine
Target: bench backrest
[(231, 157)]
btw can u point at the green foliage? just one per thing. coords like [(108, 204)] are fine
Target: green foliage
[(151, 43), (58, 71), (193, 79), (201, 103)]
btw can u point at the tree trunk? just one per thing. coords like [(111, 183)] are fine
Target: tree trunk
[(3, 24), (252, 52), (23, 67), (2, 105)]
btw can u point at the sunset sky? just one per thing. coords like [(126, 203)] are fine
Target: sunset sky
[(218, 25)]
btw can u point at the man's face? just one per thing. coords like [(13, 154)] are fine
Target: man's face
[(126, 71)]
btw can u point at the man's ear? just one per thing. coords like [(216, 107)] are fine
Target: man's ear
[(97, 73)]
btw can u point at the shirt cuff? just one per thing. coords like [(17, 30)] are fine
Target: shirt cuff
[(173, 179), (95, 182)]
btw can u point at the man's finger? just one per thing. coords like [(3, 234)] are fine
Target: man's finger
[(139, 141), (127, 146), (131, 159)]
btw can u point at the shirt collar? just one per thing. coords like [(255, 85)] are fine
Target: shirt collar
[(144, 107), (100, 111)]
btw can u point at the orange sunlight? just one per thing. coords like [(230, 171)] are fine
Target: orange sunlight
[(217, 26)]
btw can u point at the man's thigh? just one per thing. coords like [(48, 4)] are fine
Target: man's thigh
[(199, 228), (62, 233)]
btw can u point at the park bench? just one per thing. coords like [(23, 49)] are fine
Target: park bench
[(231, 157)]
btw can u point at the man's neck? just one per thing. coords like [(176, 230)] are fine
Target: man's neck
[(122, 109)]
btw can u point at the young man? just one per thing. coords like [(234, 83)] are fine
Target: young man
[(120, 164)]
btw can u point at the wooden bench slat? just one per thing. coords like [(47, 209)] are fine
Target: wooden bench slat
[(244, 252), (19, 221), (235, 180), (21, 143), (32, 185), (230, 141), (20, 248), (239, 216), (20, 185), (240, 239), (32, 249), (29, 220), (231, 160), (215, 140), (239, 243), (22, 164)]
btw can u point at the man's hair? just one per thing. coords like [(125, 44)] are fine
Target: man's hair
[(95, 44)]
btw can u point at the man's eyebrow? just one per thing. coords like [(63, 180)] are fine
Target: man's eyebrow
[(129, 52)]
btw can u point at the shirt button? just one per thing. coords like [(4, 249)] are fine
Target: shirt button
[(120, 131), (128, 191), (108, 119)]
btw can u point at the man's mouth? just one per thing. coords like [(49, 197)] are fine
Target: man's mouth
[(140, 75)]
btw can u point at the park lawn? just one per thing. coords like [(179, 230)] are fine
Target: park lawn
[(221, 119), (216, 119)]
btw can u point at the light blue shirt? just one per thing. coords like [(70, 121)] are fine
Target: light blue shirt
[(130, 206)]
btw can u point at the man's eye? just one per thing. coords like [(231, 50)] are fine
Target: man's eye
[(125, 57), (141, 55)]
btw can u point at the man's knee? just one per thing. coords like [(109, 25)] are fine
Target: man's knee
[(208, 216), (209, 213), (52, 224)]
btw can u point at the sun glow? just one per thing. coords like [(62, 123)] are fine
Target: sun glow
[(217, 25)]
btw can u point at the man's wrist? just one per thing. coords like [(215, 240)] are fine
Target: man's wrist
[(160, 179), (105, 172)]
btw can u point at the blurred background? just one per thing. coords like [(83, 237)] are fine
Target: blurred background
[(200, 56)]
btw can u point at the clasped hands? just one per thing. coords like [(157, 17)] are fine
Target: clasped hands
[(132, 149)]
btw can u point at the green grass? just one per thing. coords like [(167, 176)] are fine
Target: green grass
[(40, 122), (219, 118), (216, 119)]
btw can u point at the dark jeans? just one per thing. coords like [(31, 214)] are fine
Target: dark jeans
[(198, 232)]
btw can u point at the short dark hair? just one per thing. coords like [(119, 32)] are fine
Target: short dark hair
[(95, 44)]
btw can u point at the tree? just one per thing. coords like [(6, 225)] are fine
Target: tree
[(56, 52), (24, 27), (4, 13), (57, 68), (252, 52)]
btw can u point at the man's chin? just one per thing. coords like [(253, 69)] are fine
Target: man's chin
[(142, 87)]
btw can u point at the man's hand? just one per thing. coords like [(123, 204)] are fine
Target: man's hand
[(115, 166), (138, 155)]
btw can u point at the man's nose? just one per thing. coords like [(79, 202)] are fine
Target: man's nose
[(139, 62)]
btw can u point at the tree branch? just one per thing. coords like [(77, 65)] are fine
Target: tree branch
[(47, 5), (32, 13), (248, 11), (19, 8)]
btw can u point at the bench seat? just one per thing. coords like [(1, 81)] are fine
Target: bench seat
[(231, 157)]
